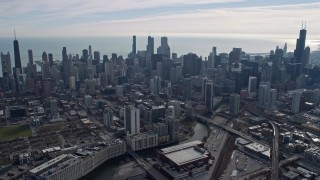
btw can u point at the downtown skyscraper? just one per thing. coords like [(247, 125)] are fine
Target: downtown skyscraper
[(6, 65), (300, 46), (66, 65), (131, 119), (134, 46), (164, 48), (234, 103), (150, 46), (17, 58), (263, 98)]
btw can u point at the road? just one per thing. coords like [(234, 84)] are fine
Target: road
[(229, 129), (275, 153), (148, 167), (215, 145)]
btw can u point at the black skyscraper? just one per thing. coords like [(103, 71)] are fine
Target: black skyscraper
[(30, 55), (17, 59), (66, 65), (150, 46), (191, 65), (134, 46), (50, 56), (301, 43)]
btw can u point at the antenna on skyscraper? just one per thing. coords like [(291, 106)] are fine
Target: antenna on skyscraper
[(15, 36), (302, 25), (305, 25)]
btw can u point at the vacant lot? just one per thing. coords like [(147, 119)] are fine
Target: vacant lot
[(51, 127), (15, 132)]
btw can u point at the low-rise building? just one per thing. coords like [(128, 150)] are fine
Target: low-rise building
[(74, 166), (258, 149), (290, 175), (313, 155), (184, 160), (142, 140)]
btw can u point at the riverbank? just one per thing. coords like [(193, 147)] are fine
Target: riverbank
[(113, 169)]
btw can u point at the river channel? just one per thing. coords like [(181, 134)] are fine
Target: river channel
[(107, 170)]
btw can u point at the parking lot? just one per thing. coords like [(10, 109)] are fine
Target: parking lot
[(240, 165)]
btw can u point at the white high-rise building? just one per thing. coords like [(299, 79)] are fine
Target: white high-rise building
[(234, 103), (72, 83), (264, 92), (295, 105), (155, 84), (174, 128), (273, 98), (87, 100), (168, 89), (252, 86), (177, 108), (108, 117), (209, 94), (132, 119)]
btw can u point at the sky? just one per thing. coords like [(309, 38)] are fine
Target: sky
[(275, 19)]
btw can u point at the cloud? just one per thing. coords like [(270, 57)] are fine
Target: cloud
[(267, 22), (250, 21), (80, 7)]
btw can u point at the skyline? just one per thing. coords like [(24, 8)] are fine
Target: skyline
[(169, 89), (184, 18)]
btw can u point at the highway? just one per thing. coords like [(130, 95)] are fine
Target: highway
[(229, 129), (275, 153)]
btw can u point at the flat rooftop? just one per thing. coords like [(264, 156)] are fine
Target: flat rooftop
[(60, 166), (180, 147), (186, 156), (48, 164), (142, 135), (257, 147)]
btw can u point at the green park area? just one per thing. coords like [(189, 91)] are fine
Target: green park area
[(15, 132)]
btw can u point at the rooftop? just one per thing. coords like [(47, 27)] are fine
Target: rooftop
[(142, 135), (49, 163), (186, 156), (180, 147), (291, 174), (61, 166), (314, 150), (256, 147)]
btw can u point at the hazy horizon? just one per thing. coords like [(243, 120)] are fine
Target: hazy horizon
[(203, 18)]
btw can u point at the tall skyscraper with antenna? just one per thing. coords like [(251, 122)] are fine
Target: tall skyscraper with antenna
[(17, 58), (285, 49), (301, 43), (150, 46)]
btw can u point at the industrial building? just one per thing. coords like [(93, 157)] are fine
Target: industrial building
[(258, 149), (184, 160), (74, 166)]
